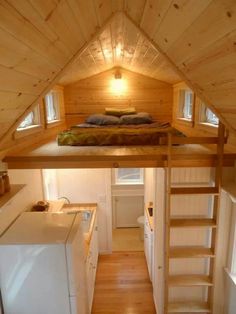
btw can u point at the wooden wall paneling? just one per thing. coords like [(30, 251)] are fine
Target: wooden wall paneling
[(16, 55), (194, 86), (122, 44), (131, 43), (103, 9), (153, 15), (211, 33), (93, 95), (14, 23), (180, 14), (29, 11), (135, 9), (117, 5), (84, 13), (117, 33), (16, 81), (44, 89), (106, 44)]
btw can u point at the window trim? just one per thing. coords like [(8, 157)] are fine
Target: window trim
[(181, 104), (58, 109), (37, 118), (202, 116), (129, 183)]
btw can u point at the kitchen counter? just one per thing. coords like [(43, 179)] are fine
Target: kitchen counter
[(83, 207), (150, 218)]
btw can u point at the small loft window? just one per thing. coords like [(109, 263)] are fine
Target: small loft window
[(31, 120), (186, 104), (207, 116), (129, 176), (52, 103)]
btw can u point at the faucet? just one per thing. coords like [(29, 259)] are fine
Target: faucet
[(65, 198)]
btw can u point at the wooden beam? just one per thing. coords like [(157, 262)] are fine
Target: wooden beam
[(57, 77)]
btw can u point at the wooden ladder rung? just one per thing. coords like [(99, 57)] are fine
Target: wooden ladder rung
[(192, 223), (189, 307), (190, 280), (194, 190), (190, 252)]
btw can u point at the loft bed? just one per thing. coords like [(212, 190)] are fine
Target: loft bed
[(117, 127), (147, 146)]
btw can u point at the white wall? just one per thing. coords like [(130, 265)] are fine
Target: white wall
[(229, 287), (86, 186), (23, 200)]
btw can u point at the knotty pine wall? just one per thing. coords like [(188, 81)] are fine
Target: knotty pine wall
[(195, 128), (94, 94)]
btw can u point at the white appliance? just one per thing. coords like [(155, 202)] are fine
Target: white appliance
[(42, 265)]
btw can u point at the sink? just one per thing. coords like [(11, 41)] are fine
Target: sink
[(86, 215), (86, 220)]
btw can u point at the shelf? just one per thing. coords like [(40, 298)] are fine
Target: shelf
[(190, 280), (192, 223), (194, 190), (190, 252), (15, 188), (189, 307)]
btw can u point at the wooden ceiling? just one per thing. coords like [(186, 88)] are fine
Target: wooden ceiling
[(41, 38), (121, 44)]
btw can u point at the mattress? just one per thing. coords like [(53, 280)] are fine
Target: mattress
[(90, 135)]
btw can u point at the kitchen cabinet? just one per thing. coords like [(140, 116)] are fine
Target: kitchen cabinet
[(148, 244), (91, 263)]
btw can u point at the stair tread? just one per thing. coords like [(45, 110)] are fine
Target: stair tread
[(194, 190), (188, 307), (190, 280), (193, 222), (190, 252)]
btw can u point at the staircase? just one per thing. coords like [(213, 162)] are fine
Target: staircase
[(211, 223)]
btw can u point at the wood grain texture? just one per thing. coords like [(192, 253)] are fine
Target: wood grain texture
[(122, 285), (121, 44), (15, 188), (38, 40), (196, 128), (202, 46), (50, 156), (93, 95)]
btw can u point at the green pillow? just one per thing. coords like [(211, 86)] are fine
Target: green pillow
[(120, 112)]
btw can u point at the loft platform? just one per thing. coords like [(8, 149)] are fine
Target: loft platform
[(51, 156)]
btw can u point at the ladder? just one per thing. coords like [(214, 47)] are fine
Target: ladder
[(183, 280)]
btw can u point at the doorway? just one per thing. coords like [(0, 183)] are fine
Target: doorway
[(127, 206)]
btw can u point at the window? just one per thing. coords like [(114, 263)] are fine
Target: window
[(52, 106), (186, 104), (31, 120), (129, 176), (207, 116)]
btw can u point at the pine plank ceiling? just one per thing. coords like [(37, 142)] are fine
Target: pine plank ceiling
[(121, 44), (40, 39)]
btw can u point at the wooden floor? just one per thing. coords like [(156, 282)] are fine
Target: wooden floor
[(127, 239), (122, 285)]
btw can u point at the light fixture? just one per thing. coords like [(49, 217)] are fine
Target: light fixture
[(118, 84), (118, 75)]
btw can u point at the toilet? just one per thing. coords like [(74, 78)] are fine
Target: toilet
[(140, 221)]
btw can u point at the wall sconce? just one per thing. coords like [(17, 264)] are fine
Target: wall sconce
[(118, 84), (118, 75)]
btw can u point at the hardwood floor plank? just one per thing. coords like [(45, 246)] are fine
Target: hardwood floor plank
[(123, 285)]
